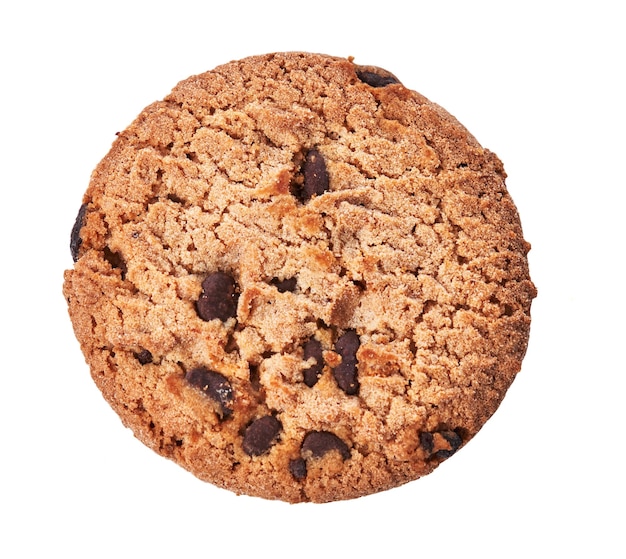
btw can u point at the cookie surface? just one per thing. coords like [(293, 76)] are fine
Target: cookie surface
[(299, 279)]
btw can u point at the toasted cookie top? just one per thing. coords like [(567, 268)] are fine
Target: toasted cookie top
[(299, 279)]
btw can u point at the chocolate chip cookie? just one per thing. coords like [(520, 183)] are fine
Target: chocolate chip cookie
[(299, 279)]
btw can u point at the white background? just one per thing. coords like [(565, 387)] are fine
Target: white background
[(539, 83)]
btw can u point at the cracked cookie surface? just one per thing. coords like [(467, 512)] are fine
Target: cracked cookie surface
[(299, 279)]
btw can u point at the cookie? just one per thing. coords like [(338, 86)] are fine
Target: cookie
[(299, 279)]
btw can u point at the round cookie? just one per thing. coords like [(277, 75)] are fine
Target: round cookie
[(299, 279)]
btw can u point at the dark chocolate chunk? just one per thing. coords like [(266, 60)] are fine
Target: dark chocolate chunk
[(260, 435), (75, 240), (288, 284), (218, 298), (215, 385), (455, 442), (318, 443), (297, 467), (144, 357), (315, 175), (426, 442), (376, 79), (313, 348), (346, 372)]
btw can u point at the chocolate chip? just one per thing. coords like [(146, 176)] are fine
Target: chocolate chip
[(218, 298), (75, 240), (455, 442), (380, 78), (346, 372), (313, 348), (288, 284), (215, 385), (144, 357), (260, 435), (297, 467), (315, 175), (426, 442), (318, 443)]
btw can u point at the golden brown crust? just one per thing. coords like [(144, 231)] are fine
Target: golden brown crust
[(413, 245)]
